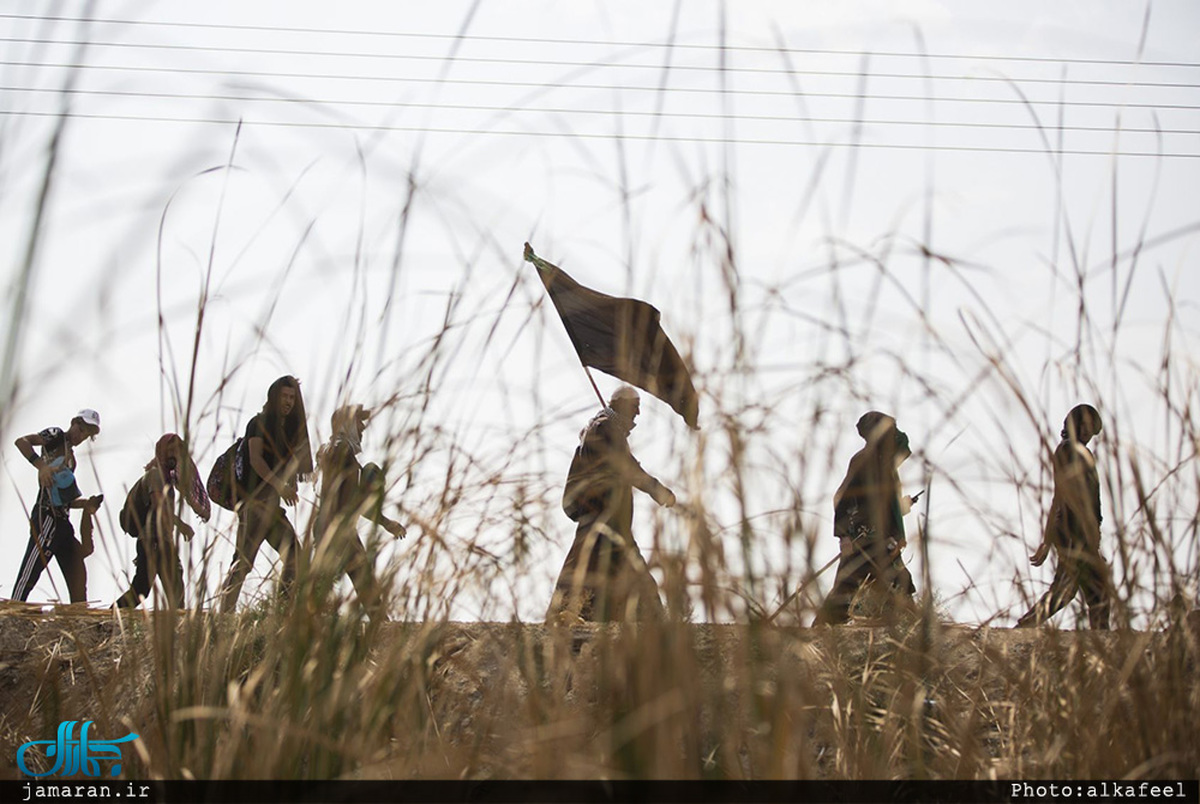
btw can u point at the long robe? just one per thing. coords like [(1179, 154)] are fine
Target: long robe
[(604, 577)]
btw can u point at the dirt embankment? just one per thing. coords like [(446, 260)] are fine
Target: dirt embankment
[(516, 700)]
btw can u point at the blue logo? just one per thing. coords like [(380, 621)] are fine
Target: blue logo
[(72, 756)]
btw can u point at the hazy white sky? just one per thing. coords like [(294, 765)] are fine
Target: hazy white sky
[(1027, 143)]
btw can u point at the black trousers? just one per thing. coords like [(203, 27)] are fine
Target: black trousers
[(156, 558), (51, 535)]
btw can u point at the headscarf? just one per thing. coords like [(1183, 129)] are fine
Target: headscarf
[(344, 424), (170, 454), (608, 413), (1071, 424), (874, 466)]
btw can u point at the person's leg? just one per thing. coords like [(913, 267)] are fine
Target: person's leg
[(250, 535), (361, 569), (327, 562), (37, 554), (69, 554), (854, 568), (282, 536), (635, 591), (169, 570), (576, 589), (1095, 584), (140, 586), (1062, 590)]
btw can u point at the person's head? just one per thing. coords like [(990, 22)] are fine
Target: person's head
[(171, 458), (286, 423), (168, 455), (1081, 424), (625, 401), (880, 432), (350, 420), (85, 424), (283, 398)]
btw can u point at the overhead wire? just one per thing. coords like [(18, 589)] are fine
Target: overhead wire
[(244, 122), (333, 102), (280, 29), (258, 74), (544, 87), (722, 68)]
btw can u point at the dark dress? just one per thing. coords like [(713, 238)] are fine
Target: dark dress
[(604, 576), (870, 527)]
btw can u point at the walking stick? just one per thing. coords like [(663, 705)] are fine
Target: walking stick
[(801, 588)]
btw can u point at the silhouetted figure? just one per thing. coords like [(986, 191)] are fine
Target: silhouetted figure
[(604, 576), (50, 530), (1073, 527), (868, 519), (149, 516), (349, 490), (278, 457)]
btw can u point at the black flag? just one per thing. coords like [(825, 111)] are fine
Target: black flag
[(621, 337)]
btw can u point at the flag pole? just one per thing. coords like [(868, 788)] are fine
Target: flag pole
[(595, 387)]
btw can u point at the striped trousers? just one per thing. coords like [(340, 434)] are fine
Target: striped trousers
[(51, 534)]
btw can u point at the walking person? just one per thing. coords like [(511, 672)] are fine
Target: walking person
[(149, 516), (349, 490), (604, 577), (50, 530), (278, 456), (869, 519), (1073, 527)]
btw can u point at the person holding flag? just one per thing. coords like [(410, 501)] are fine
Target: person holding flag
[(604, 577)]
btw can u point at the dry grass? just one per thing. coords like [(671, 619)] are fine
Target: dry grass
[(215, 697)]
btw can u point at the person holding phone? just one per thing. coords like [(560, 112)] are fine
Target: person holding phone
[(868, 519)]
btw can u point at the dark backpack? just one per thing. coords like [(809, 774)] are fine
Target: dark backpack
[(583, 496), (225, 481)]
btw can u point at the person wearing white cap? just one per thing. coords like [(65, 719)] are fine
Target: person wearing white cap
[(604, 577), (50, 530)]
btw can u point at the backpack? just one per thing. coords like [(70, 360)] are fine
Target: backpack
[(225, 481), (581, 496)]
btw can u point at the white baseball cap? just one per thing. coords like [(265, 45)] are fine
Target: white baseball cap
[(89, 416)]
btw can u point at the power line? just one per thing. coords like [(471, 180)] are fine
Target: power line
[(595, 64), (605, 87), (595, 136), (606, 112), (277, 29)]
